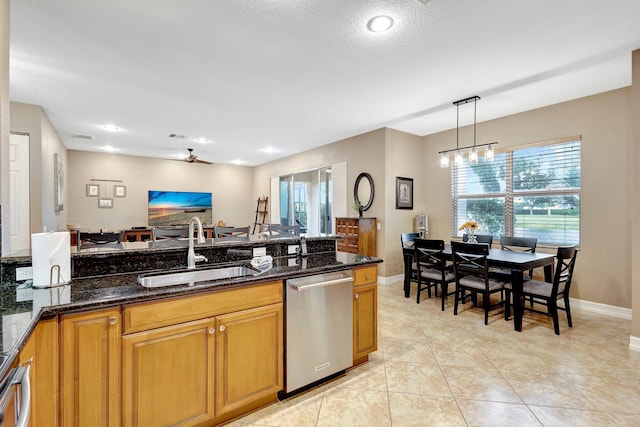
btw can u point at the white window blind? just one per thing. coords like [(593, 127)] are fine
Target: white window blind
[(531, 191)]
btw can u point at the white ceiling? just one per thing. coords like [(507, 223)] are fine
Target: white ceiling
[(291, 75)]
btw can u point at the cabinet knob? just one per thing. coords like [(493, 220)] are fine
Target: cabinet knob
[(212, 331), (356, 296), (222, 328), (366, 276), (113, 320)]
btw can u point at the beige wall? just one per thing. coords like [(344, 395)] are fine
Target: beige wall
[(634, 228), (231, 187), (44, 142), (4, 122), (402, 159), (604, 121), (363, 153)]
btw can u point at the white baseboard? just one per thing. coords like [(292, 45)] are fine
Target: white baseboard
[(578, 304), (390, 279), (596, 307)]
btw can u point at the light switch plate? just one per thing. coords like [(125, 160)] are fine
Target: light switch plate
[(259, 252), (379, 226), (292, 249), (24, 273)]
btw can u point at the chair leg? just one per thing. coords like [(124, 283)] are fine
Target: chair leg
[(553, 310), (419, 289), (444, 289), (485, 305), (568, 310), (456, 298)]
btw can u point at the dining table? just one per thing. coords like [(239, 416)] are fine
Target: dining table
[(514, 261)]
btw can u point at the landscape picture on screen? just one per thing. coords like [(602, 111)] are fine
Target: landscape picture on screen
[(178, 207)]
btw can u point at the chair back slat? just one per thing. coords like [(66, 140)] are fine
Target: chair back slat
[(429, 254), (480, 238), (470, 259), (522, 244), (565, 262), (235, 234)]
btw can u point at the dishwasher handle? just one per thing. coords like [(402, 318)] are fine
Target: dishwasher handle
[(23, 378), (301, 288)]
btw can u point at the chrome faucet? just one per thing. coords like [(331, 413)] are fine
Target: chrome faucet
[(192, 258)]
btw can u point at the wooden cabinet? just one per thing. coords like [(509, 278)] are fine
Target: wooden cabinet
[(365, 313), (168, 375), (203, 359), (90, 369), (358, 235), (249, 354)]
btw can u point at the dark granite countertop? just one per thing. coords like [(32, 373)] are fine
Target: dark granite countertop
[(116, 289)]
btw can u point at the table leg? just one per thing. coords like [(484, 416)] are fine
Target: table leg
[(407, 275), (518, 299)]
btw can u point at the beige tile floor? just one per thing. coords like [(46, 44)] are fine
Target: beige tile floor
[(436, 369)]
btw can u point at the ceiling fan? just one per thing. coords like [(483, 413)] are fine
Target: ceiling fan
[(192, 158)]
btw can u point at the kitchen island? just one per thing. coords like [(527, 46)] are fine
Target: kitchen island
[(223, 338)]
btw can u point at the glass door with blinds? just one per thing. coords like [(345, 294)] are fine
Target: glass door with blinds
[(305, 200)]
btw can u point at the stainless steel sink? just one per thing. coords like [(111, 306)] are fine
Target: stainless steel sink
[(157, 280)]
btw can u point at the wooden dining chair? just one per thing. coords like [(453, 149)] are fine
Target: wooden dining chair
[(170, 232), (432, 268), (231, 234), (471, 272), (410, 269), (86, 239), (481, 238), (548, 294), (283, 231), (519, 244)]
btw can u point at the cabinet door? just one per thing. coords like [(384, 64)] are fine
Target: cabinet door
[(41, 351), (90, 380), (168, 375), (249, 352), (365, 321)]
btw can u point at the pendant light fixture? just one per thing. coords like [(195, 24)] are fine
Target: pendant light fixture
[(489, 153)]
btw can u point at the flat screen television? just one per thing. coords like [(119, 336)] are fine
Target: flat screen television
[(178, 207)]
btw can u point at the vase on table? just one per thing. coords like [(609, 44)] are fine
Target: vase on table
[(472, 238)]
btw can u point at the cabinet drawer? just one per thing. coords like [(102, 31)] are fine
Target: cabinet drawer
[(365, 275), (145, 316)]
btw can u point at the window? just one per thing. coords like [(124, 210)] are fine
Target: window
[(526, 192)]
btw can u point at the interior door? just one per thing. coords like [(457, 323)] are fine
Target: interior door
[(19, 191)]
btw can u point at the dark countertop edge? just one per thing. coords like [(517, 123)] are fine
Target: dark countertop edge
[(20, 257), (169, 292)]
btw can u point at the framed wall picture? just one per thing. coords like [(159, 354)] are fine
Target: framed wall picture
[(404, 193), (119, 191), (93, 190), (105, 202)]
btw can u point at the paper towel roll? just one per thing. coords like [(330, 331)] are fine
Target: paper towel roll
[(48, 250)]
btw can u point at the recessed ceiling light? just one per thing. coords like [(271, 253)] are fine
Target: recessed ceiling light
[(202, 140), (111, 128), (380, 23), (238, 162), (110, 148), (269, 150)]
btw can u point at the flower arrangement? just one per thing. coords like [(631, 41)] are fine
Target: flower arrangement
[(470, 228)]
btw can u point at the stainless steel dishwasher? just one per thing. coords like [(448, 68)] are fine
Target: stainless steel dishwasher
[(319, 328)]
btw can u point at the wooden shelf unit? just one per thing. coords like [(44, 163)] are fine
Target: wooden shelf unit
[(358, 235)]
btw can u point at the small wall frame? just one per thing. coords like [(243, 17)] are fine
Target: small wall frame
[(105, 203), (119, 191), (93, 190)]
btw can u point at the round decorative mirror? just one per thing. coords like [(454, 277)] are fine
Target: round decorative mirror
[(363, 191)]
